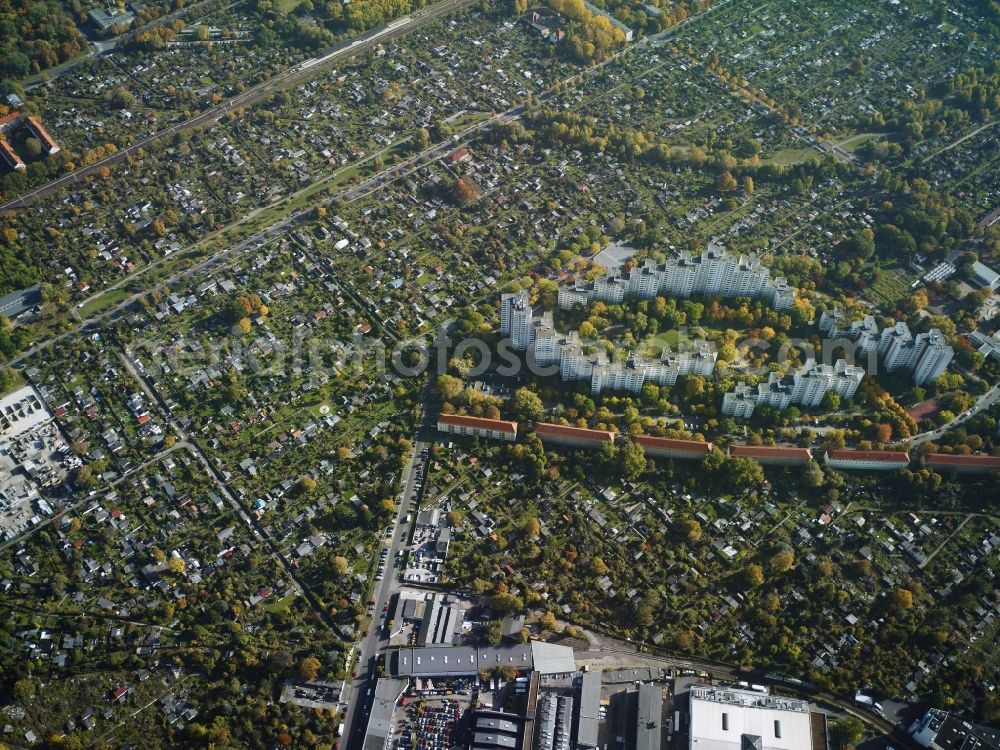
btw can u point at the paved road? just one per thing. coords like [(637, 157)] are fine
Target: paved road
[(377, 640), (291, 76), (983, 402)]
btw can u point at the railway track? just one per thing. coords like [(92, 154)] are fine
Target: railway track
[(299, 73)]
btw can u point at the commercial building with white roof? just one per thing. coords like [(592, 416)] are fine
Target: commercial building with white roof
[(732, 719)]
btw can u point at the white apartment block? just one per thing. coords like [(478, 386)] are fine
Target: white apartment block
[(517, 319), (576, 361), (698, 358), (862, 332), (804, 387), (713, 273), (933, 356), (926, 355)]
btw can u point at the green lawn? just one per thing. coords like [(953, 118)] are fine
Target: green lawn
[(789, 156), (106, 301), (854, 142), (282, 605)]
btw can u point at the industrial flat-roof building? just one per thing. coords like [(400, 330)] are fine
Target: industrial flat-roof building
[(387, 693), (939, 730), (439, 624), (985, 276), (464, 661), (649, 717), (732, 719), (16, 303), (588, 718)]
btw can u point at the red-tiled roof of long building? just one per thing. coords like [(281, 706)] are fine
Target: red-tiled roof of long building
[(9, 119), (41, 132), (845, 454), (478, 423), (672, 444), (770, 451), (573, 433), (9, 155), (950, 459)]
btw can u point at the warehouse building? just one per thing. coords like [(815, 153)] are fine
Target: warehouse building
[(733, 719)]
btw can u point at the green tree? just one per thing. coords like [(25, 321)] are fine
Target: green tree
[(8, 378), (526, 405), (33, 147), (449, 387), (726, 182), (309, 668), (782, 562), (812, 474), (848, 730), (633, 460), (901, 599), (863, 246)]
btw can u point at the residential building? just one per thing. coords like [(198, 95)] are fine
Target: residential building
[(895, 347), (713, 273), (517, 319), (493, 429), (768, 455), (864, 333), (657, 447), (49, 145), (866, 460), (10, 157), (806, 387), (933, 356), (576, 363), (926, 355), (734, 719), (961, 464), (577, 437)]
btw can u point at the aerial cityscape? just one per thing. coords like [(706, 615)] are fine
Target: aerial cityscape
[(488, 375)]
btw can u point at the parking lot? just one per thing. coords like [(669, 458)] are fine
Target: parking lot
[(431, 724)]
